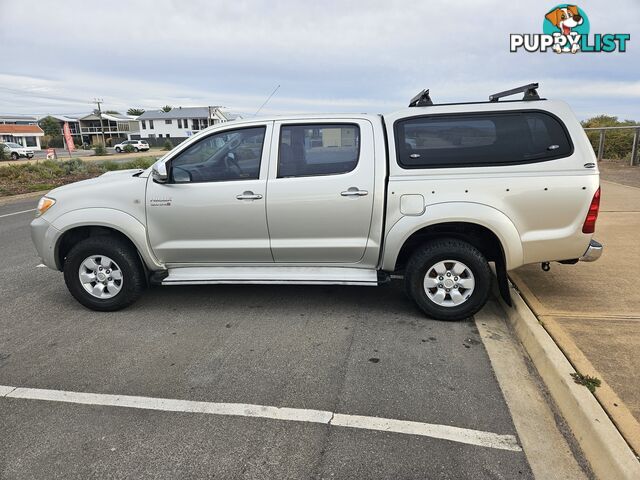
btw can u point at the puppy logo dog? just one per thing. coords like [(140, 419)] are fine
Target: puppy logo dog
[(566, 19)]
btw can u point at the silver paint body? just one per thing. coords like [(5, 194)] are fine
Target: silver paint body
[(303, 225)]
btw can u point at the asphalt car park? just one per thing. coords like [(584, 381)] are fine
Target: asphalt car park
[(185, 381)]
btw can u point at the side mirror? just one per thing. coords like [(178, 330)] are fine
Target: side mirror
[(159, 172)]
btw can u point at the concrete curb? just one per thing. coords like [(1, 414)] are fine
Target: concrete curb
[(617, 410), (605, 449)]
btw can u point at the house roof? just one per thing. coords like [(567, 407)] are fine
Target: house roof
[(28, 130), (114, 117), (232, 116), (179, 112), (17, 118), (62, 118)]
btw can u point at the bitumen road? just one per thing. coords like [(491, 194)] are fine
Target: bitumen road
[(349, 363)]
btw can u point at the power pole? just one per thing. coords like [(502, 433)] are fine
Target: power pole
[(98, 101)]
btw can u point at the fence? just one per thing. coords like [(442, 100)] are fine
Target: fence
[(635, 160), (159, 142)]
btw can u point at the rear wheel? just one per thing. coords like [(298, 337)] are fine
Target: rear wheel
[(136, 149), (104, 273), (449, 279), (14, 156)]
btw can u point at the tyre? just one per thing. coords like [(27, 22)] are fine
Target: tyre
[(14, 156), (118, 149), (449, 279), (104, 273), (135, 149)]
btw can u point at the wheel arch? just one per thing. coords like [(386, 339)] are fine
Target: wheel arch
[(79, 224), (487, 229)]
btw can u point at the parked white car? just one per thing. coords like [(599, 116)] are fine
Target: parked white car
[(15, 150), (138, 145), (432, 193)]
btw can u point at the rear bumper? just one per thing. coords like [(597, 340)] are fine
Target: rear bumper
[(593, 253)]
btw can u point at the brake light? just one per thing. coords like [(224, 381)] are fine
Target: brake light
[(589, 225)]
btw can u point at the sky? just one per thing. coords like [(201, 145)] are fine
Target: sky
[(56, 56)]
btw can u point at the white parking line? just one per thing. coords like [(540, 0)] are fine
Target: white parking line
[(4, 391), (446, 432), (17, 213)]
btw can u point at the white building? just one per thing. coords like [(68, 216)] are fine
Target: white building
[(180, 122), (21, 129)]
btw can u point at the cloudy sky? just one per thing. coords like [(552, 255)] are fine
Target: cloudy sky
[(338, 56)]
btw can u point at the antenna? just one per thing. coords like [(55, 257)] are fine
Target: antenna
[(267, 100)]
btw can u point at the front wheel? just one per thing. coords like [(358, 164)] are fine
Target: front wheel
[(104, 273), (118, 149), (449, 279), (136, 149)]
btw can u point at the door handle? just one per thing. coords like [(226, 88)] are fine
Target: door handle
[(249, 195), (354, 192)]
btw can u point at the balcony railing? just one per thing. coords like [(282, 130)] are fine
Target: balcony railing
[(120, 128)]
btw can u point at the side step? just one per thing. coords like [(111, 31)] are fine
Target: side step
[(273, 275)]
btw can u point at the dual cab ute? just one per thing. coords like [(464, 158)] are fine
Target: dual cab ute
[(432, 193)]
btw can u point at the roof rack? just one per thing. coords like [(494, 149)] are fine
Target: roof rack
[(530, 93), (421, 100)]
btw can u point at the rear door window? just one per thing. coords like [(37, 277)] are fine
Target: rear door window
[(439, 141), (322, 149)]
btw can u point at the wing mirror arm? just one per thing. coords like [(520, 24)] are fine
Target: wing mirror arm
[(159, 172)]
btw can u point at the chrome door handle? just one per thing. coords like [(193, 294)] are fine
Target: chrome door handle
[(354, 192), (249, 195)]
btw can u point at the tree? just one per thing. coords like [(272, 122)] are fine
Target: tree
[(135, 112), (167, 108), (50, 126)]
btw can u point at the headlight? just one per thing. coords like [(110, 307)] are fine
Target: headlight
[(44, 204)]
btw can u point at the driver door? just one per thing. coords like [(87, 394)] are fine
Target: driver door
[(212, 209)]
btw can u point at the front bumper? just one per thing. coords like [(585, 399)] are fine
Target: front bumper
[(593, 253), (44, 236)]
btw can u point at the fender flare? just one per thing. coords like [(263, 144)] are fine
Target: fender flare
[(117, 220), (461, 212)]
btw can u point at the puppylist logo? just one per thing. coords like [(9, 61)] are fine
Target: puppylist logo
[(566, 30)]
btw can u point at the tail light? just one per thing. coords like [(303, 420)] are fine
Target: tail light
[(589, 225)]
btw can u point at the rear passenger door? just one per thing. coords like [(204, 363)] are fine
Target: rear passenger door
[(320, 191)]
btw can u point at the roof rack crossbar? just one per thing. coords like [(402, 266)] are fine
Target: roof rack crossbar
[(421, 100), (530, 93)]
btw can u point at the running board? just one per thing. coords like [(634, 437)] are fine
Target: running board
[(273, 275)]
